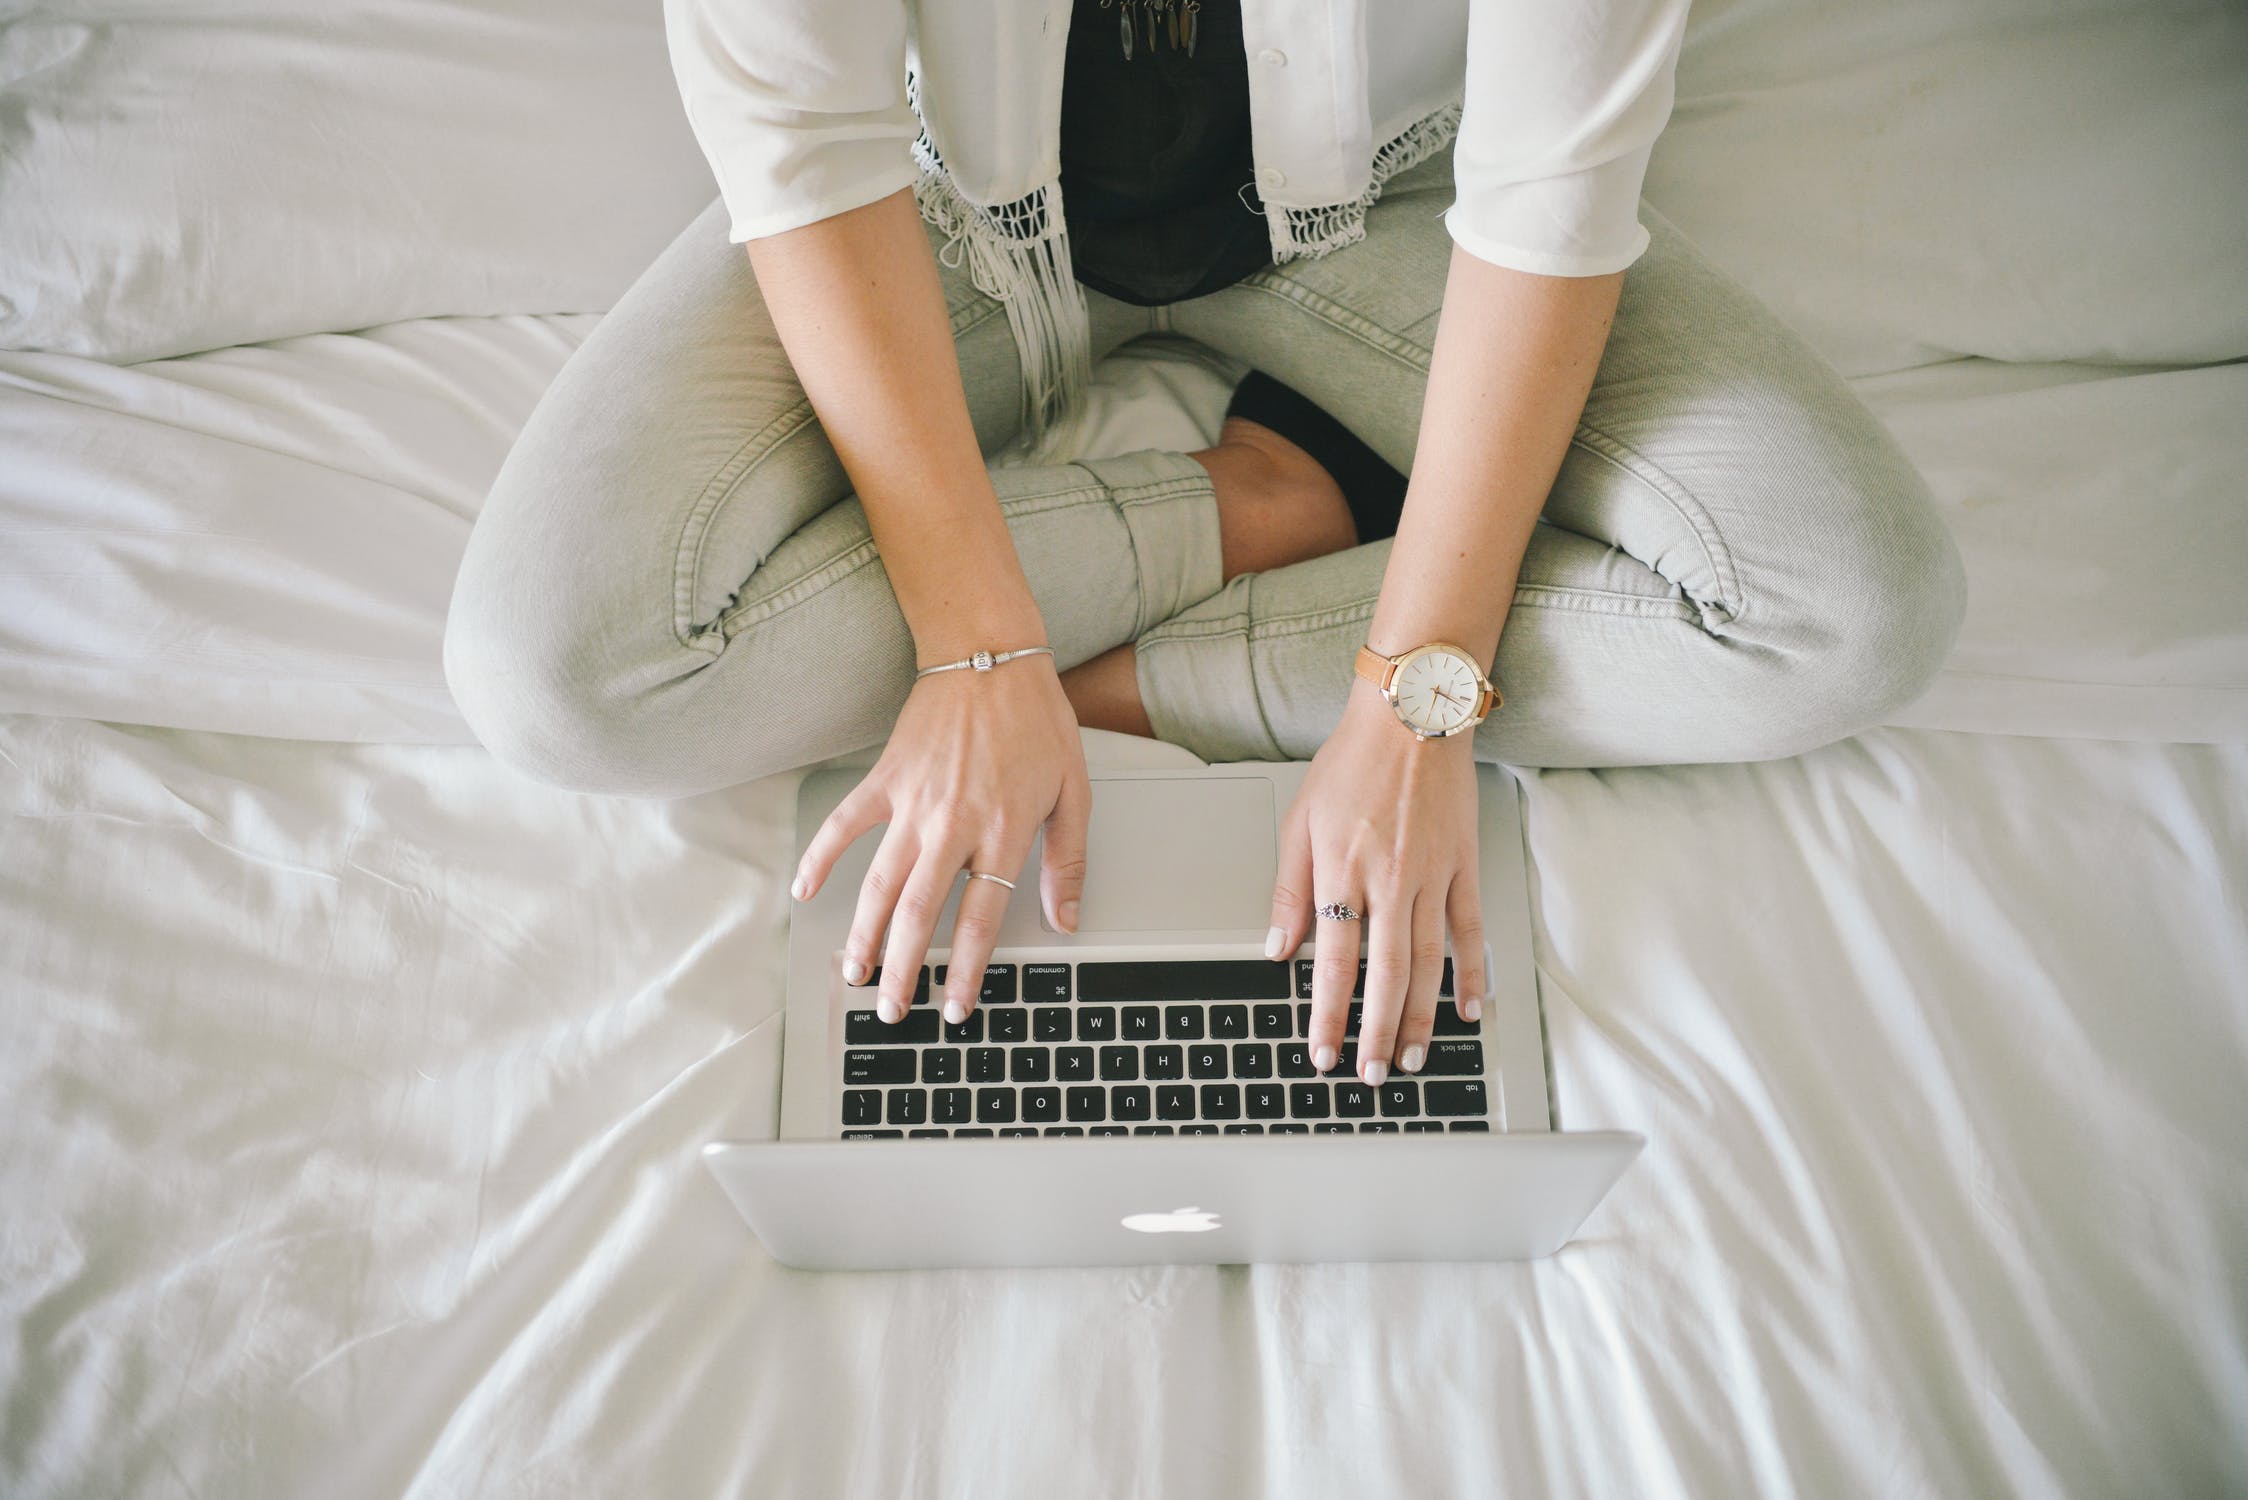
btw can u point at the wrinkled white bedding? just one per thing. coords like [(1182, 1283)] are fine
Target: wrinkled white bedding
[(354, 1095)]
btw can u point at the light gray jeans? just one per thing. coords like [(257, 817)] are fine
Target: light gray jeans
[(671, 589)]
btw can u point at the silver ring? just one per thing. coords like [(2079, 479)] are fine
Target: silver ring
[(994, 879), (1335, 911)]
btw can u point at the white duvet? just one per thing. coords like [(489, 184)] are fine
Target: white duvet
[(355, 1093)]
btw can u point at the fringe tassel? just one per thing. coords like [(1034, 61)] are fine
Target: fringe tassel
[(1298, 232)]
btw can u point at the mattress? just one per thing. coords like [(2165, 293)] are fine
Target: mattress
[(355, 1094)]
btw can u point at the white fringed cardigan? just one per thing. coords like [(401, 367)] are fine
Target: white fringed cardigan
[(809, 108)]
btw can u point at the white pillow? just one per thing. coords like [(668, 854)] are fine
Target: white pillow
[(186, 178), (1916, 180)]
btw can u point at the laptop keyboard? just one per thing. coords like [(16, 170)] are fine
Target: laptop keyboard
[(1153, 1047)]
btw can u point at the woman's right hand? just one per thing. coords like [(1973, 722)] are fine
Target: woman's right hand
[(978, 763)]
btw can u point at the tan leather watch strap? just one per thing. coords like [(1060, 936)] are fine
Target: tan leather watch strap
[(1375, 667)]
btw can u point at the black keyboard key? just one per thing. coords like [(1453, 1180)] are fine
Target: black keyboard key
[(1183, 1023), (926, 1132), (1164, 1062), (1010, 1026), (1020, 1130), (1096, 1023), (940, 1065), (1206, 1061), (1353, 1099), (862, 1106), (1065, 1130), (1174, 1102), (1378, 1127), (908, 1107), (1450, 1023), (1089, 1102), (1302, 990), (1043, 984), (878, 1065), (1073, 1064), (864, 1028), (1454, 1057), (1346, 1062), (1244, 1130), (920, 986), (1221, 1101), (1416, 1127), (1308, 1101), (1042, 1106), (1229, 1022), (998, 984), (1198, 1130), (1129, 1103), (1270, 1022), (970, 1030), (995, 1106), (1462, 1097), (952, 1106), (1152, 1130), (1484, 1125), (1184, 979), (1120, 1064), (965, 1131), (987, 1064), (1030, 1064), (1252, 1059), (1333, 1127), (1295, 1060), (1111, 1130), (1265, 1101), (1142, 1023), (874, 1135), (1401, 1096), (1050, 1025), (1289, 1128)]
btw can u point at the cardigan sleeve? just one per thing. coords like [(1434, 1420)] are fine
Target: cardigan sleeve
[(1564, 101), (799, 105)]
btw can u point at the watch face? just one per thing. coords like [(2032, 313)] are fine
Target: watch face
[(1437, 690)]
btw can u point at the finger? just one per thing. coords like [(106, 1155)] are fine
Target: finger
[(1419, 1019), (1389, 971), (1334, 968), (878, 894), (1471, 954), (1291, 888), (975, 927), (862, 808), (1061, 875), (914, 920)]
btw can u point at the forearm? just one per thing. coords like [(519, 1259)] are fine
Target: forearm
[(860, 310), (1514, 362)]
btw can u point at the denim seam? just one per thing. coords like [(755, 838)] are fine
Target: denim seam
[(1239, 626), (1344, 320), (726, 483), (1730, 601)]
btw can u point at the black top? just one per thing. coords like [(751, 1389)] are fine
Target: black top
[(1158, 180)]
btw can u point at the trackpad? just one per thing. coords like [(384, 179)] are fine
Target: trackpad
[(1188, 855)]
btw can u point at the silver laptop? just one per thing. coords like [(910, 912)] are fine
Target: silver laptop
[(1142, 1091)]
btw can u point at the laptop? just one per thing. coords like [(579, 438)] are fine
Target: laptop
[(1141, 1092)]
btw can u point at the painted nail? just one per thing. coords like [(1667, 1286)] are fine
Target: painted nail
[(1413, 1058), (892, 1012), (1323, 1057), (1471, 1009), (800, 888), (1069, 916), (1377, 1072), (955, 1012), (854, 972), (1275, 940)]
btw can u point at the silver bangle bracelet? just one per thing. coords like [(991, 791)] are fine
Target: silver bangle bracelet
[(982, 661)]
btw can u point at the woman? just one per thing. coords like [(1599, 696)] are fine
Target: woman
[(673, 588)]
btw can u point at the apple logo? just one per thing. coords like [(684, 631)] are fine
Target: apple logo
[(1178, 1221)]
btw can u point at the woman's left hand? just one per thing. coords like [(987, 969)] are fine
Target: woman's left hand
[(1385, 824)]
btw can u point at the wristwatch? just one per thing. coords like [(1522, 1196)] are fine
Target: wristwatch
[(1436, 689)]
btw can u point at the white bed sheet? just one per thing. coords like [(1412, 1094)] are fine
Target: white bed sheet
[(354, 1094)]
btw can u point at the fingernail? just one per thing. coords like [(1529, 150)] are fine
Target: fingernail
[(1275, 940), (854, 972), (1413, 1058), (800, 888), (1471, 1009), (1323, 1057), (891, 1011), (1377, 1072), (1069, 916), (955, 1012)]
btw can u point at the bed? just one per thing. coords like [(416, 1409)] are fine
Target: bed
[(350, 1086)]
